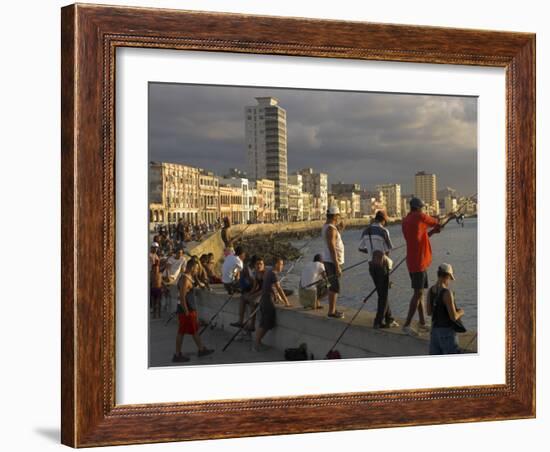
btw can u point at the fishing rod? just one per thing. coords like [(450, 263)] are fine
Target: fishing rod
[(239, 236), (227, 301), (471, 341), (253, 313), (364, 303), (373, 291), (231, 296), (348, 268)]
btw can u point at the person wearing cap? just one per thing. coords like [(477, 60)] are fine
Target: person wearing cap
[(442, 308), (419, 258), (376, 242), (333, 258)]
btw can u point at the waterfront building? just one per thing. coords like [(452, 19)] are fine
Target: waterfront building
[(392, 198), (449, 205), (341, 188), (253, 203), (265, 192), (317, 185), (232, 203), (370, 202), (209, 194), (241, 213), (425, 187), (350, 201), (307, 201), (226, 193), (469, 205), (173, 192), (295, 199), (266, 142)]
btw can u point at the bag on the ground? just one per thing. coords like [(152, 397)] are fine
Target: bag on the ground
[(334, 354), (296, 354)]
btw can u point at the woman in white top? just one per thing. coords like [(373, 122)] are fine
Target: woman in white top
[(333, 258)]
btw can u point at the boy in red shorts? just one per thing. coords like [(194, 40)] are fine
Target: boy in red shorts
[(188, 322)]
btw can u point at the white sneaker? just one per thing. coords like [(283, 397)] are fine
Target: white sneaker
[(408, 330), (393, 324)]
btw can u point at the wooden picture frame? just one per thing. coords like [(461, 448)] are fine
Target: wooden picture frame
[(90, 36)]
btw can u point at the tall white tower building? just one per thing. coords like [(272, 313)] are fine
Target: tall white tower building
[(425, 188), (267, 147)]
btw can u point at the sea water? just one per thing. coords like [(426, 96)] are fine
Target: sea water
[(455, 245)]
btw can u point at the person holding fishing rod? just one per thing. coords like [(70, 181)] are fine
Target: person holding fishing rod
[(333, 258), (419, 258), (271, 289), (187, 314), (376, 242), (251, 281)]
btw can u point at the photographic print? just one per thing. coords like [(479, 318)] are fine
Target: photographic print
[(295, 224), (300, 219)]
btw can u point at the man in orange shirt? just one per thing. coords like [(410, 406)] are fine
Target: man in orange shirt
[(419, 257)]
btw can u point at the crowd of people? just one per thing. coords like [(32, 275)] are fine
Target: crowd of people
[(174, 278), (177, 234)]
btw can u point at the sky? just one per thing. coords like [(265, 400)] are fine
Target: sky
[(355, 137)]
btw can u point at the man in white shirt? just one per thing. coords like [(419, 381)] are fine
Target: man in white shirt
[(231, 270), (313, 283), (376, 242), (333, 258)]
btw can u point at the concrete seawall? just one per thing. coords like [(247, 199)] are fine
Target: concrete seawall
[(297, 227), (214, 243), (296, 325)]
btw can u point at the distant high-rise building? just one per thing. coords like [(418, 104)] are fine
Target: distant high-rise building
[(425, 188), (267, 147), (449, 205), (392, 198), (447, 191), (341, 188), (317, 185)]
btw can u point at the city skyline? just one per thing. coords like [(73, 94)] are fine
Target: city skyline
[(203, 126)]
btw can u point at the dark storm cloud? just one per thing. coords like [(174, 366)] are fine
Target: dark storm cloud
[(369, 138)]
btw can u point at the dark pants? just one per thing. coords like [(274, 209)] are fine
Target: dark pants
[(381, 278)]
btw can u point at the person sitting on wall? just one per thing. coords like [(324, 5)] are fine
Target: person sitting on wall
[(231, 270), (313, 285), (251, 298), (213, 277)]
